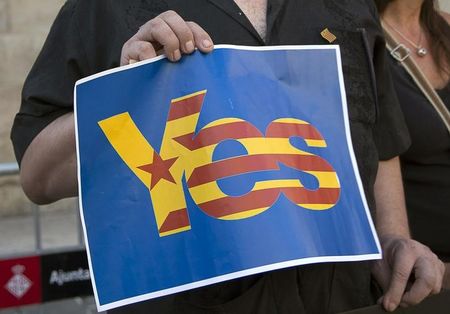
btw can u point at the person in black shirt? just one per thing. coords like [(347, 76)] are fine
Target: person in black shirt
[(88, 36), (426, 164)]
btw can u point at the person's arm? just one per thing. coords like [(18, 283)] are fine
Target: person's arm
[(48, 169), (391, 215), (409, 271)]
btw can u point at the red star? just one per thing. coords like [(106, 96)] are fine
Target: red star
[(159, 169)]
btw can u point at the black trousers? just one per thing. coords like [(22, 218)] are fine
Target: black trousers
[(319, 288)]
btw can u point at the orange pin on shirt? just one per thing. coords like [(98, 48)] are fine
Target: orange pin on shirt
[(329, 36)]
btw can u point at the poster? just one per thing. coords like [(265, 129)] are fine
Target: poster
[(216, 167)]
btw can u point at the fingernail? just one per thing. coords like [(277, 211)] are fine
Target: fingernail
[(176, 55), (189, 46), (206, 43)]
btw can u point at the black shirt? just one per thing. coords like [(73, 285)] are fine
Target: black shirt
[(87, 37), (425, 165)]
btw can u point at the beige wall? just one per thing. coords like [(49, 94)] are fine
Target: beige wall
[(24, 24), (445, 5)]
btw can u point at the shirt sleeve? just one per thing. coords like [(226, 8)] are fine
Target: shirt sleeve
[(390, 132), (48, 90)]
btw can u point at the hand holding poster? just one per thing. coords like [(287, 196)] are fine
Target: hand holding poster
[(217, 167)]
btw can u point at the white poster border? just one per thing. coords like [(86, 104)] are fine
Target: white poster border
[(251, 271)]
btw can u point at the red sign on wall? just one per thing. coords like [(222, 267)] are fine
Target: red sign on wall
[(20, 281)]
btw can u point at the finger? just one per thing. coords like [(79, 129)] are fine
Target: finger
[(136, 50), (439, 267), (164, 35), (429, 273), (403, 305), (440, 271), (202, 40), (402, 267), (181, 30), (158, 32), (424, 283)]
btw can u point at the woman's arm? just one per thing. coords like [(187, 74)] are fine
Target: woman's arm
[(402, 256)]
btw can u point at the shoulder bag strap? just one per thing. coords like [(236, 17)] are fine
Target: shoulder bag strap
[(402, 54)]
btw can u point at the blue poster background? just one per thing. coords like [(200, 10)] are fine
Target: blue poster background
[(127, 256)]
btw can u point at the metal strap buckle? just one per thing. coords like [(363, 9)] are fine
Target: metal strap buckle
[(400, 53)]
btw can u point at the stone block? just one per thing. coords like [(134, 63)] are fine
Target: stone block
[(24, 25), (18, 53), (14, 201), (5, 20), (445, 5), (9, 105)]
